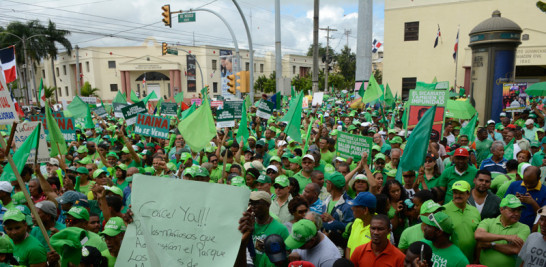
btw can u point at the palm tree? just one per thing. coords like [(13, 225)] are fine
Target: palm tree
[(54, 36), (87, 90)]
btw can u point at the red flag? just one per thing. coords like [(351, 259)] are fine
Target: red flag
[(184, 106)]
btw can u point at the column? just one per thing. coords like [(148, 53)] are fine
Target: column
[(171, 82), (176, 81), (123, 84), (128, 84)]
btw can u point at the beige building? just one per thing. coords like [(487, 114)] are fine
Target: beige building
[(411, 28), (143, 69)]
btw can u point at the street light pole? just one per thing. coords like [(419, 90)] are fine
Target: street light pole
[(249, 37)]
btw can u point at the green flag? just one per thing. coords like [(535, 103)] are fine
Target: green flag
[(41, 94), (361, 90), (306, 147), (292, 91), (247, 103), (416, 147), (198, 128), (89, 120), (149, 96), (434, 80), (469, 129), (189, 111), (204, 93), (389, 99), (158, 107), (76, 109), (294, 120), (509, 150), (392, 123), (134, 97), (119, 98), (179, 97), (242, 132), (56, 138), (21, 155), (425, 86), (373, 91)]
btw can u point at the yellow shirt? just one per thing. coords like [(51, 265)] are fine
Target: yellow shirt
[(360, 235)]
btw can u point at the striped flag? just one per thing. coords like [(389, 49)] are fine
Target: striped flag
[(456, 47), (438, 35), (376, 45), (7, 62)]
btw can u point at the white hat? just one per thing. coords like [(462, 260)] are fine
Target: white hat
[(529, 121), (273, 167), (6, 187), (366, 124), (502, 114), (308, 156), (281, 143), (490, 121), (326, 115), (402, 133), (54, 161)]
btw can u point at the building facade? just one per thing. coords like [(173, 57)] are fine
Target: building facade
[(143, 69), (411, 28)]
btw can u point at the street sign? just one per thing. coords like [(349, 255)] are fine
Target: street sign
[(172, 51), (186, 17)]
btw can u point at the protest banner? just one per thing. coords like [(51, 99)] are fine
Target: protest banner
[(22, 132), (100, 111), (236, 105), (90, 100), (420, 101), (169, 109), (305, 102), (514, 98), (217, 104), (153, 126), (7, 108), (352, 146), (317, 99), (130, 112), (225, 118), (185, 232), (197, 101), (117, 109), (265, 109), (66, 125), (442, 85)]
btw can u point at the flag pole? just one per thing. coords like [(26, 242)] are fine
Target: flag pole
[(25, 192), (12, 133), (456, 59)]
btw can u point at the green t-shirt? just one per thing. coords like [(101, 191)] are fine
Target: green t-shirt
[(465, 223), (327, 156), (302, 180), (483, 149), (331, 205), (500, 180), (503, 188), (537, 158), (410, 235), (216, 173), (35, 232), (433, 182), (451, 256), (84, 189), (260, 233), (111, 259), (320, 168), (121, 186), (449, 177), (492, 257), (30, 251), (95, 241)]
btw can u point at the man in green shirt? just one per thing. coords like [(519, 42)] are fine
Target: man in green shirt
[(113, 234), (483, 145), (5, 195), (437, 228), (78, 216), (460, 170), (465, 219), (26, 249), (415, 232), (279, 201), (48, 214), (500, 239), (536, 160), (304, 176)]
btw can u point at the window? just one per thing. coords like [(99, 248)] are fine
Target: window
[(111, 64), (411, 31), (60, 91), (66, 90), (215, 87), (87, 66), (261, 68), (138, 89), (64, 69), (114, 87), (293, 69), (254, 67), (169, 89), (43, 74), (57, 71), (408, 84), (214, 63), (247, 66)]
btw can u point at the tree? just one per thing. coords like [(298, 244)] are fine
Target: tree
[(270, 84), (259, 84), (87, 90), (541, 5), (53, 37), (346, 64), (302, 83), (378, 76), (322, 51)]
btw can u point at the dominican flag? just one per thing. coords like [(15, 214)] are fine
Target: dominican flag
[(438, 35), (144, 80), (7, 59), (456, 47), (17, 107), (376, 45)]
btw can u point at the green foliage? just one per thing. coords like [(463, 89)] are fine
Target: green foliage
[(378, 75), (542, 6), (302, 83), (346, 65), (259, 84), (49, 91), (322, 51), (87, 90), (266, 85)]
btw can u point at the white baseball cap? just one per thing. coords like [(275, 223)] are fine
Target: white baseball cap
[(502, 114), (281, 143), (529, 121), (308, 156), (6, 187), (490, 121), (272, 167)]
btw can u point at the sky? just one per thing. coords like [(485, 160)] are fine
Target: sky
[(129, 22)]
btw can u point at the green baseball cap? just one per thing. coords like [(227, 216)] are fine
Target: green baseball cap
[(171, 166), (287, 155), (82, 170), (15, 215), (202, 172), (392, 173), (376, 147), (5, 246), (263, 179), (122, 166), (336, 178), (511, 201), (462, 186), (396, 140), (19, 198), (439, 220), (114, 189), (82, 149), (430, 206), (114, 227), (112, 154), (238, 181), (188, 171), (379, 156), (78, 212), (85, 161), (68, 243), (282, 180), (333, 132), (275, 158), (302, 231), (295, 160), (98, 172), (535, 144)]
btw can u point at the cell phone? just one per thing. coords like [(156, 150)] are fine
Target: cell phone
[(421, 254)]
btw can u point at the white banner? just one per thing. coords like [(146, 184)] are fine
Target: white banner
[(22, 132)]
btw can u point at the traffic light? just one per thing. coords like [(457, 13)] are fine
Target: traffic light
[(167, 15), (244, 81), (231, 83), (163, 49)]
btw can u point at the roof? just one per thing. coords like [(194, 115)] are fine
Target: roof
[(496, 23)]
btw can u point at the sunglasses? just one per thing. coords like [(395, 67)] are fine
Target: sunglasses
[(270, 171), (302, 211), (429, 161), (432, 219), (276, 186), (214, 161)]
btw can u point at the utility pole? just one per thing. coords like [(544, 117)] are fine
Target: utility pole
[(315, 46), (251, 54), (364, 41), (327, 59), (346, 33), (78, 76), (278, 55)]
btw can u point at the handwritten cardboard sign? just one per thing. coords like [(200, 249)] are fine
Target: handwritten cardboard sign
[(182, 223), (22, 132), (153, 126), (130, 112), (66, 125)]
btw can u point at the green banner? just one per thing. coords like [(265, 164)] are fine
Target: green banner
[(130, 112), (442, 85), (420, 101), (236, 105), (101, 111), (265, 109), (169, 109), (225, 118), (67, 125), (352, 146), (153, 126), (117, 109)]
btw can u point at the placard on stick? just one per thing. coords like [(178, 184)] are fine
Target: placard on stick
[(352, 146)]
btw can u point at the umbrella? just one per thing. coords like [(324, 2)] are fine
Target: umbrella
[(460, 109), (537, 89)]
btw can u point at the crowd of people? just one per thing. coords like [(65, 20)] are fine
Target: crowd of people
[(477, 199)]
